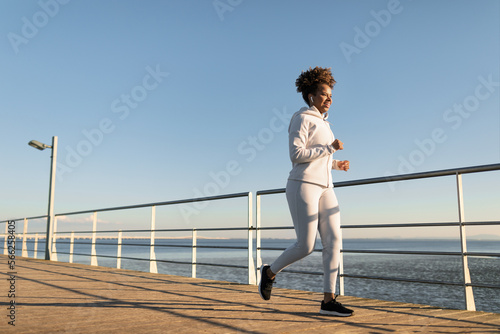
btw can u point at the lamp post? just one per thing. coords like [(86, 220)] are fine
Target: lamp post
[(50, 217)]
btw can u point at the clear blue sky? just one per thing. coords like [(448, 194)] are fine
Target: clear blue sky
[(151, 99)]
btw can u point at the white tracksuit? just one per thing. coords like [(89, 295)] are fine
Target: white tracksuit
[(309, 192)]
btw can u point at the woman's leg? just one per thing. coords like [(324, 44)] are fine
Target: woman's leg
[(303, 203), (331, 239)]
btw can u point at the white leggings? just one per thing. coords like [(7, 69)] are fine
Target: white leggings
[(313, 208)]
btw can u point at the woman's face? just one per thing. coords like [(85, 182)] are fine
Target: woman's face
[(323, 98)]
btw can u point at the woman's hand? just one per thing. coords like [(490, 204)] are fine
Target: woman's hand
[(343, 165), (338, 145)]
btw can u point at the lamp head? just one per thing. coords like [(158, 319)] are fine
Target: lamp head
[(38, 145)]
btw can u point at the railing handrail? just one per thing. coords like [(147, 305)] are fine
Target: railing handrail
[(29, 218), (403, 177), (392, 178), (137, 206), (206, 229), (145, 205)]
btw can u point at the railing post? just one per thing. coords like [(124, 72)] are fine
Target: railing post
[(469, 294), (341, 267), (71, 243), (119, 250), (152, 255), (25, 230), (35, 248), (93, 253), (53, 254), (251, 264), (258, 235), (193, 254)]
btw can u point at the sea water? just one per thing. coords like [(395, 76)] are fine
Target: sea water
[(483, 270)]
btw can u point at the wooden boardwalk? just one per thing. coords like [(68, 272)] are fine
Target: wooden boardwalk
[(55, 297)]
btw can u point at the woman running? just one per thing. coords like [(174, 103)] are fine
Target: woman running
[(309, 190)]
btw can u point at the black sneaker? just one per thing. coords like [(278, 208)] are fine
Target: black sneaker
[(265, 284), (333, 307)]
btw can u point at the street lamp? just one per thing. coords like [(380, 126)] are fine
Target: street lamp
[(50, 217), (38, 145)]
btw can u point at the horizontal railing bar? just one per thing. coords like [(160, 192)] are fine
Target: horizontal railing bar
[(291, 271), (401, 225), (84, 243), (271, 191), (116, 244), (413, 176), (389, 252), (275, 228), (145, 205), (401, 252), (124, 257), (88, 255), (158, 260), (401, 279), (482, 254), (421, 281), (18, 219), (103, 244), (476, 285), (221, 265), (482, 223), (28, 241), (170, 261), (148, 245), (207, 229), (116, 231), (220, 247), (432, 224), (282, 249), (370, 226)]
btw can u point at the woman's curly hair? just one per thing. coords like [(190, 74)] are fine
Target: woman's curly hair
[(308, 81)]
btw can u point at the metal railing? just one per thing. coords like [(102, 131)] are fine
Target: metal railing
[(252, 267), (152, 257), (464, 254)]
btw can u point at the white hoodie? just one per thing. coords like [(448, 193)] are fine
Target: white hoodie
[(310, 142)]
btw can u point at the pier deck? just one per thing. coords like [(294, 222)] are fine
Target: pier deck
[(56, 297)]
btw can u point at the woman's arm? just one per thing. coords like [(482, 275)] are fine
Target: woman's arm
[(298, 137)]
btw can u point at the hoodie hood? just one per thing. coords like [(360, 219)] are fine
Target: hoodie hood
[(311, 111)]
